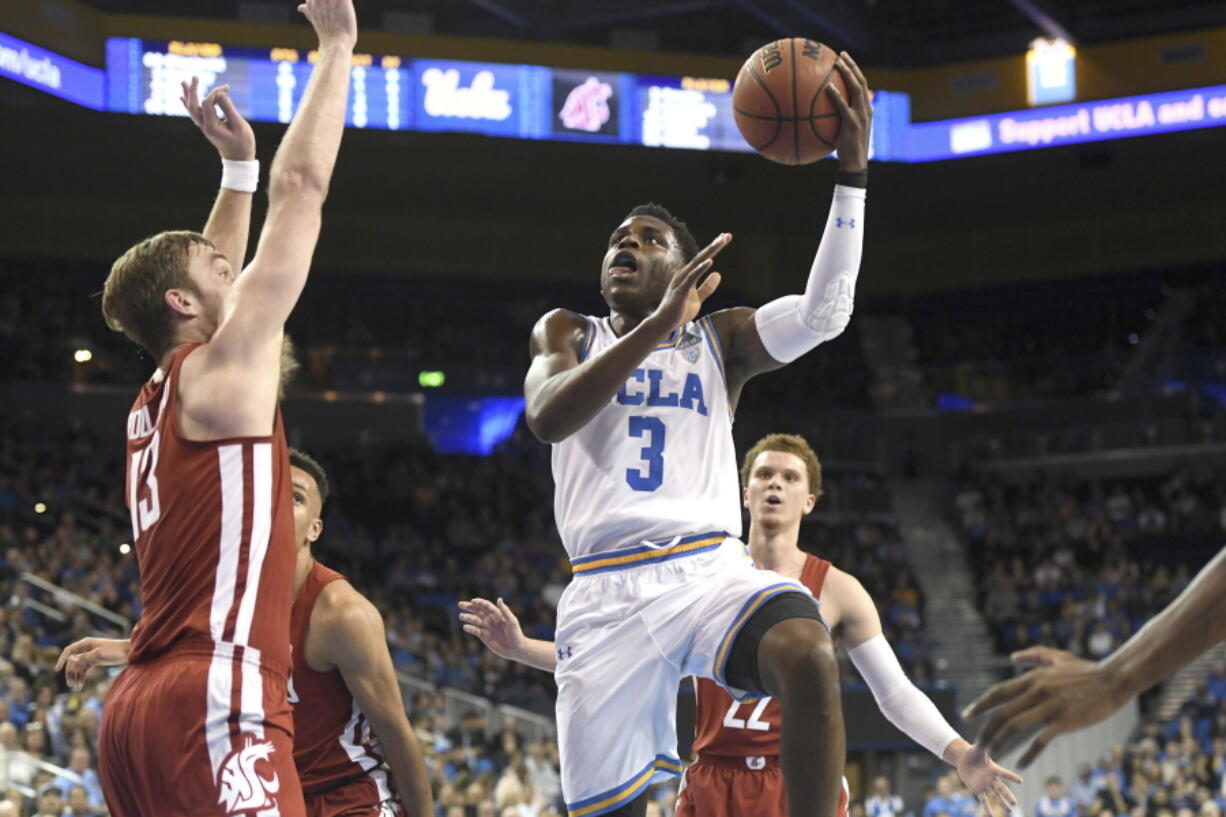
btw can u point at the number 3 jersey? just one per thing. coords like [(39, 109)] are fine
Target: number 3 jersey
[(658, 461), (729, 728), (214, 531)]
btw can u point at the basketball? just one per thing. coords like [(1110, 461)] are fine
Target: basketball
[(780, 101)]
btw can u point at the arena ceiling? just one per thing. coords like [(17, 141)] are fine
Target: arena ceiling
[(879, 32)]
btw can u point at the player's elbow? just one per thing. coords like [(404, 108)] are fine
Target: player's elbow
[(296, 182), (543, 425)]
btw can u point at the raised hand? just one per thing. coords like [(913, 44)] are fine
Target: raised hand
[(986, 780), (80, 657), (495, 625), (1066, 695), (684, 296), (856, 113), (232, 136), (334, 21)]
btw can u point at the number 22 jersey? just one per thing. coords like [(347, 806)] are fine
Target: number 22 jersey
[(658, 461)]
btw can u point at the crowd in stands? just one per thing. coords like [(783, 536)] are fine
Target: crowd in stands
[(415, 530), (1034, 340), (348, 339), (1071, 564)]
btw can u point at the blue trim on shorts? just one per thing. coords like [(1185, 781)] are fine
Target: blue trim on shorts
[(618, 796), (652, 553)]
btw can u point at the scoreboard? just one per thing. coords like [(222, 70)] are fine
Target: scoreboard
[(495, 99), (537, 102)]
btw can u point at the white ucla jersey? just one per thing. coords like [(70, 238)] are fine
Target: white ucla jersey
[(658, 461)]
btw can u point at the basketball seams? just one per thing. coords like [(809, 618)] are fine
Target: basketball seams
[(749, 115), (778, 119), (795, 104)]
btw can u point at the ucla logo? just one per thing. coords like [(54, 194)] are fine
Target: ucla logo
[(657, 394), (690, 348)]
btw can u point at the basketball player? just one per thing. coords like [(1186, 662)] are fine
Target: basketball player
[(638, 408), (737, 769), (350, 729), (1068, 693), (199, 724)]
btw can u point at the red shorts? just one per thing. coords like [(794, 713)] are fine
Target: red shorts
[(359, 798), (732, 787), (198, 736)]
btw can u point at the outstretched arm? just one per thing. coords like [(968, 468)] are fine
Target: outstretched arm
[(903, 703), (563, 393), (1070, 694), (499, 630), (79, 657), (759, 340), (230, 221), (352, 638)]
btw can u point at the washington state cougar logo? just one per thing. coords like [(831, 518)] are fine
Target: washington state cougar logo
[(243, 789)]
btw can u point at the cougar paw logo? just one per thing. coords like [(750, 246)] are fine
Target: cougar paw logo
[(241, 786)]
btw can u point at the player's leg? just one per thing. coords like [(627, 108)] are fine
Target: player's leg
[(785, 651), (616, 711), (635, 808)]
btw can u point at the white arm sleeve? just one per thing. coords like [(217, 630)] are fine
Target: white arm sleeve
[(794, 324), (899, 699)]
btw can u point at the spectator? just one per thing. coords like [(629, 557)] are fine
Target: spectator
[(883, 803), (79, 763), (1054, 803)]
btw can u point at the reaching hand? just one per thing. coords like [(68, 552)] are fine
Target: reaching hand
[(986, 780), (856, 113), (1066, 694), (684, 295), (1041, 657), (335, 21), (80, 657), (232, 136), (495, 625)]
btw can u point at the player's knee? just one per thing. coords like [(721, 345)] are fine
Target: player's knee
[(796, 657)]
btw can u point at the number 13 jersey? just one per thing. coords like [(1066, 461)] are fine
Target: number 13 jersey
[(658, 461)]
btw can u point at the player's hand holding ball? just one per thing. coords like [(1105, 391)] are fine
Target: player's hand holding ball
[(335, 21), (795, 100), (855, 115)]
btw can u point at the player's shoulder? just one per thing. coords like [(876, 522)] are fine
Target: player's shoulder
[(559, 328), (726, 320), (842, 584), (340, 610)]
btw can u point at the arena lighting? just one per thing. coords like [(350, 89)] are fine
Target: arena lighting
[(83, 356), (1051, 72), (431, 380), (40, 507), (125, 548)]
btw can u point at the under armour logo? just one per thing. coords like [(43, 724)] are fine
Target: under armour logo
[(564, 654), (850, 223)]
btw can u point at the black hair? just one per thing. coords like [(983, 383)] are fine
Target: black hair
[(686, 240), (303, 460)]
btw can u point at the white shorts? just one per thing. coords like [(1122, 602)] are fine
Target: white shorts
[(631, 625)]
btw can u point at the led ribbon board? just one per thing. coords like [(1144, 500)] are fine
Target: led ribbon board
[(1067, 124), (47, 71), (494, 99)]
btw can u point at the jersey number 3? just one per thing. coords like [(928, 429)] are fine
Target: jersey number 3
[(652, 428), (754, 721)]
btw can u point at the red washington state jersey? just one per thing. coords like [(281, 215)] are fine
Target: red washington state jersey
[(333, 742), (726, 728), (214, 530)]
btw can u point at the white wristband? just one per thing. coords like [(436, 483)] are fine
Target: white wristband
[(240, 175)]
